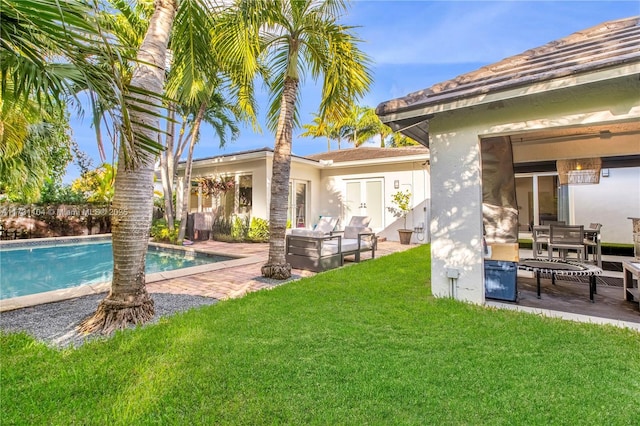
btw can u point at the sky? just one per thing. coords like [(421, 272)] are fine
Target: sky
[(413, 45)]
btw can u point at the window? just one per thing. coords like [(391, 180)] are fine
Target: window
[(245, 194)]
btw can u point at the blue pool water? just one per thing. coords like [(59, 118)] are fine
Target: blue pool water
[(33, 270)]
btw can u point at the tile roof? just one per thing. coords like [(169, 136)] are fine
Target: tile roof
[(368, 153), (609, 44)]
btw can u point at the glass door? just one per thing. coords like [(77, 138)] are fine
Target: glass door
[(539, 200)]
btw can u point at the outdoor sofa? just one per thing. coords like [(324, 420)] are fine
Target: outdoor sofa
[(317, 250)]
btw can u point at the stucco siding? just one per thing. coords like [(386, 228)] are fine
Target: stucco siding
[(456, 211), (456, 224), (412, 176)]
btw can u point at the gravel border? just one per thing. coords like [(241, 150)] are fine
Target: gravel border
[(55, 323)]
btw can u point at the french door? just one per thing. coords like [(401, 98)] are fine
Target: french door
[(365, 197)]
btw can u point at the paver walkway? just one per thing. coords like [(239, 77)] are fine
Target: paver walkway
[(237, 281)]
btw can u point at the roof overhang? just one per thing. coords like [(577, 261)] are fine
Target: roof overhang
[(376, 161), (243, 157), (413, 120)]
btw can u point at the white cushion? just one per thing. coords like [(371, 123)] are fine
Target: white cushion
[(359, 221), (326, 224), (351, 232), (329, 247), (306, 232), (352, 244)]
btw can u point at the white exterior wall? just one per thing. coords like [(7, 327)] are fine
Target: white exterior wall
[(261, 168), (456, 224), (410, 175), (257, 168), (611, 202)]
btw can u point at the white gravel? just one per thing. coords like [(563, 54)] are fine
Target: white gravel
[(55, 323)]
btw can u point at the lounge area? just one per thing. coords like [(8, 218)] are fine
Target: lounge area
[(323, 248)]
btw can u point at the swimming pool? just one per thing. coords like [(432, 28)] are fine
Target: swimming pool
[(30, 270)]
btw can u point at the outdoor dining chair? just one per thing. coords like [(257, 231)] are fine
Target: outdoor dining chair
[(540, 236), (565, 238), (592, 240)]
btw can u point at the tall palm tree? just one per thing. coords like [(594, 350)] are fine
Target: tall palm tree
[(298, 37), (214, 111), (128, 301)]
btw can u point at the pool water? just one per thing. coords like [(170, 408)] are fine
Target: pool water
[(33, 270)]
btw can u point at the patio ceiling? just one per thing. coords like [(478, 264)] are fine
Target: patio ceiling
[(618, 144)]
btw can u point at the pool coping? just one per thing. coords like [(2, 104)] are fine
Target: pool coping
[(88, 289)]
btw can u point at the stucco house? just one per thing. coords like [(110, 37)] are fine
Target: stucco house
[(342, 183), (504, 138)]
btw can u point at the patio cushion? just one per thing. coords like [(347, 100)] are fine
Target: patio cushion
[(351, 232), (326, 224), (329, 248), (307, 232), (363, 221), (351, 244)]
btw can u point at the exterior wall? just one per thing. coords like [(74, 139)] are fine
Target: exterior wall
[(413, 176), (256, 168), (611, 202), (261, 169), (456, 211), (456, 224)]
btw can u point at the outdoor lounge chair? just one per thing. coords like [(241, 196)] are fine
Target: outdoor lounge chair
[(315, 253), (592, 239)]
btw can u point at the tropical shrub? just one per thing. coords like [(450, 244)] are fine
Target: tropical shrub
[(161, 233), (258, 230)]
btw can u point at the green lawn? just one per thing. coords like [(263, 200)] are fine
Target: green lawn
[(366, 344)]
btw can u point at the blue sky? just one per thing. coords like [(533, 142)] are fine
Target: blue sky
[(413, 45)]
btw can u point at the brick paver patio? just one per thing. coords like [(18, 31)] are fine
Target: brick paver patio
[(233, 282)]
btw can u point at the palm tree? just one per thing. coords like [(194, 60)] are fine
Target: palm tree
[(360, 125), (319, 128), (128, 301), (213, 111), (298, 37), (194, 69)]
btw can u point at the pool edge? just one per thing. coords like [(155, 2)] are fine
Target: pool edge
[(89, 289)]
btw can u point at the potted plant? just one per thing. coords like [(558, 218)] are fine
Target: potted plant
[(401, 201)]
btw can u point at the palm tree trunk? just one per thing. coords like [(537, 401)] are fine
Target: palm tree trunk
[(187, 171), (167, 171), (128, 301), (277, 266)]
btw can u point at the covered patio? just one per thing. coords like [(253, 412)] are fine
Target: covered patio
[(524, 119)]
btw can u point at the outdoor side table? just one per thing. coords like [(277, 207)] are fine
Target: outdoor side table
[(556, 267)]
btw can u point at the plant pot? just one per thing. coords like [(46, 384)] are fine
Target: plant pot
[(405, 235)]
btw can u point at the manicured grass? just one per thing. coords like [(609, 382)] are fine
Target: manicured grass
[(366, 344)]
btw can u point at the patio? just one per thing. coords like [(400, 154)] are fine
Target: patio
[(569, 297), (237, 281)]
